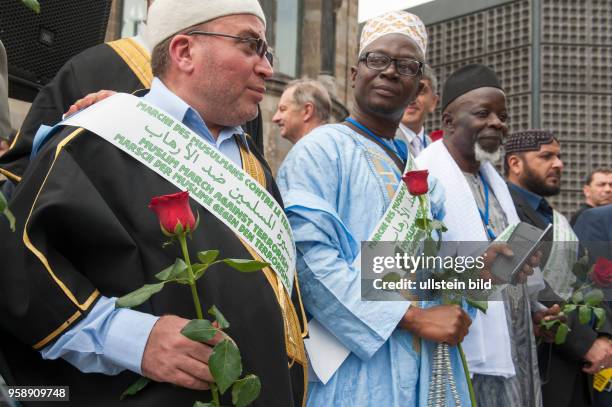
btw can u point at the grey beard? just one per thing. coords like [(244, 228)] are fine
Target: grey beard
[(482, 155)]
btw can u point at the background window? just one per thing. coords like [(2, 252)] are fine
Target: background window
[(286, 45)]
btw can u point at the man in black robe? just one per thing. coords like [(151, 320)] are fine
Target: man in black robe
[(85, 236), (123, 65)]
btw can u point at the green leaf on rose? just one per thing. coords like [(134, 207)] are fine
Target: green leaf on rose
[(567, 308), (6, 212), (200, 404), (208, 256), (561, 334), (438, 225), (594, 297), (177, 270), (199, 330), (225, 364), (32, 5), (391, 277), (3, 203), (135, 387), (10, 218), (577, 297), (479, 305), (246, 390), (549, 324), (584, 314), (214, 311), (139, 296), (600, 314), (244, 265), (198, 270)]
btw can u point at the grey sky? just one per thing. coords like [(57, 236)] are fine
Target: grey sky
[(372, 8)]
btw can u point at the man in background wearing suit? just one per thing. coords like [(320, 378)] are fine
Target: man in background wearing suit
[(411, 127)]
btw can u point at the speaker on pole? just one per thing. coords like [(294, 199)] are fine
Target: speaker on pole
[(37, 45)]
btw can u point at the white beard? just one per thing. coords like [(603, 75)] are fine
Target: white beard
[(482, 155)]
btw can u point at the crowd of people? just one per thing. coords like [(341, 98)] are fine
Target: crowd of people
[(84, 236)]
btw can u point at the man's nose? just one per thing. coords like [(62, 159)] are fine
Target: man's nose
[(264, 68), (391, 70)]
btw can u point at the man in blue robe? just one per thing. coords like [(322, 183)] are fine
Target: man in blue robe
[(336, 184)]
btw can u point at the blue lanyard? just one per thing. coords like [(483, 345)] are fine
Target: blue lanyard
[(401, 150), (424, 140), (485, 216)]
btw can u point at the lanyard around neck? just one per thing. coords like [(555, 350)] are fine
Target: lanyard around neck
[(485, 215), (401, 151)]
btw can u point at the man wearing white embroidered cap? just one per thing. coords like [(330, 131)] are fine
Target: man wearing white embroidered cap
[(90, 237), (337, 184)]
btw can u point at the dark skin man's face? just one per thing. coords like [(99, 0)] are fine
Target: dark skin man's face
[(478, 116), (386, 93)]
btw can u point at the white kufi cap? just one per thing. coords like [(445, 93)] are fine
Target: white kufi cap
[(168, 17)]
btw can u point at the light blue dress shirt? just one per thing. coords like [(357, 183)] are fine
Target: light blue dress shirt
[(336, 185), (110, 340)]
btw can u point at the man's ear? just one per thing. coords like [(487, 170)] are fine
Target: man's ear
[(353, 75), (447, 122), (308, 112), (515, 165), (180, 50), (586, 190)]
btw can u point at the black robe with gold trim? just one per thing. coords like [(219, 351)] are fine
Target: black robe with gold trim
[(122, 65), (84, 230)]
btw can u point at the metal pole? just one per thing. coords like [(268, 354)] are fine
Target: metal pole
[(536, 74)]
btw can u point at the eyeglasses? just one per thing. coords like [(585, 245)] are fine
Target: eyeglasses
[(256, 45), (380, 62)]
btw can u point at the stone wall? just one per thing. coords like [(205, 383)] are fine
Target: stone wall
[(339, 85)]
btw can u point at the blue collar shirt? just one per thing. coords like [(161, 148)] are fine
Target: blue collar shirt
[(162, 97), (536, 202)]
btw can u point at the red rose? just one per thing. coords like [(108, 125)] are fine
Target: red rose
[(436, 135), (173, 209), (416, 181), (602, 272)]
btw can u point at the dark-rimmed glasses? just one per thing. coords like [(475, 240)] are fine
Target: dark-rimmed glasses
[(380, 62), (256, 45)]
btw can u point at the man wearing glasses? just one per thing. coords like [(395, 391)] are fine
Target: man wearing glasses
[(126, 68), (337, 184), (89, 238)]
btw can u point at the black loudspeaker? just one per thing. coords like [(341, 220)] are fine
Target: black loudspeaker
[(37, 45)]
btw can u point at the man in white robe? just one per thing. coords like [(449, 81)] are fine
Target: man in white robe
[(500, 346)]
